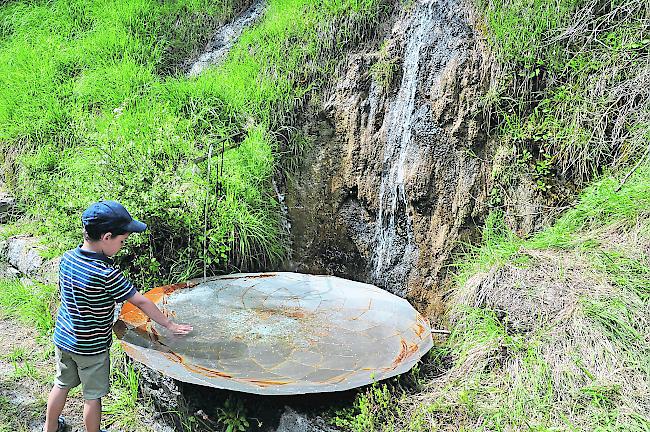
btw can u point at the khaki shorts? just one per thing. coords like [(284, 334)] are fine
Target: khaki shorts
[(91, 371)]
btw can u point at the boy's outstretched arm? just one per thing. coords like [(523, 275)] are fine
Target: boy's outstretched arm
[(152, 311)]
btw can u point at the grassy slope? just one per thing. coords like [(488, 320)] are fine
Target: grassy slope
[(570, 98), (101, 120), (550, 332), (583, 366)]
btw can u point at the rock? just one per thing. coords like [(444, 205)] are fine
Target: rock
[(222, 41), (7, 206), (163, 391), (3, 250), (8, 272), (22, 253), (21, 256), (292, 421), (397, 174)]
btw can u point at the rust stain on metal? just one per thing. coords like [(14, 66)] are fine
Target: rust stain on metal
[(171, 355), (177, 358), (132, 315), (419, 330), (405, 352), (128, 348), (257, 276), (206, 371), (168, 289), (295, 313), (265, 383), (337, 379), (364, 311)]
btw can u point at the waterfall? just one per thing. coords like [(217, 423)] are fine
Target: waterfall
[(225, 38), (395, 247)]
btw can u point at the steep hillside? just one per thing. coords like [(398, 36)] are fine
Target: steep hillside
[(95, 105), (486, 160), (549, 311)]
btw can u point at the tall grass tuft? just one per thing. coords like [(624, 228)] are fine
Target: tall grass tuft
[(572, 92), (31, 303)]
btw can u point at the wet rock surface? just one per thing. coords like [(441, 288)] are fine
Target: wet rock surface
[(397, 173)]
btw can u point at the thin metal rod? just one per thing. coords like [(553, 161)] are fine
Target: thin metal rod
[(205, 218)]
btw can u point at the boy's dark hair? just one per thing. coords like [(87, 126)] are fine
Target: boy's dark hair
[(93, 234)]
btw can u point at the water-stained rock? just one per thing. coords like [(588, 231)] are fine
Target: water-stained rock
[(397, 175)]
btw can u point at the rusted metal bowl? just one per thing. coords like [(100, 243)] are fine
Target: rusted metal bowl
[(278, 333)]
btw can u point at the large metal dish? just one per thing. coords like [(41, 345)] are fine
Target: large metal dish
[(278, 333)]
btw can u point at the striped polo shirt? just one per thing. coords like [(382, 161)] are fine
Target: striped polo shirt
[(89, 287)]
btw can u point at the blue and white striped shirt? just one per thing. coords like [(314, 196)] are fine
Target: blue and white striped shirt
[(89, 287)]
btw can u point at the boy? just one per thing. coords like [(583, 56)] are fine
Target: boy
[(89, 288)]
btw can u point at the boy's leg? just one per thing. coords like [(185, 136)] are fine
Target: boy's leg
[(66, 378), (55, 404), (94, 372), (92, 414)]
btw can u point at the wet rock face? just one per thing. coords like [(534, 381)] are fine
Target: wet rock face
[(396, 174), (224, 39)]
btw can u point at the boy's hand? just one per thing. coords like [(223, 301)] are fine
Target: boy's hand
[(179, 329), (152, 311)]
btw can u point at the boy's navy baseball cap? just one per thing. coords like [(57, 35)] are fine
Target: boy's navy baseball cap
[(105, 216)]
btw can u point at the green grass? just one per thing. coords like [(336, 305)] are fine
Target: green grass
[(109, 117), (598, 205), (122, 408), (30, 303), (562, 66), (17, 418)]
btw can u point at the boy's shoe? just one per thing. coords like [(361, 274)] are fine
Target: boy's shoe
[(62, 424)]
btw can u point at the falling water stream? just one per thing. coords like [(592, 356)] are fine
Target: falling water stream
[(225, 38), (400, 157)]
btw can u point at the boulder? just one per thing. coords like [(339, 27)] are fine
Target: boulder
[(22, 252), (8, 272), (293, 421)]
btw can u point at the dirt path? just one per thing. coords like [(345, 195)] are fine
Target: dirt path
[(26, 376)]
